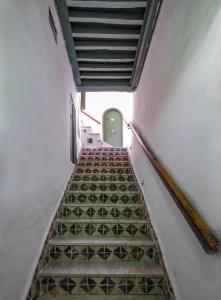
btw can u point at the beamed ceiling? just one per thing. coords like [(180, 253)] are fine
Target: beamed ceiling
[(107, 41)]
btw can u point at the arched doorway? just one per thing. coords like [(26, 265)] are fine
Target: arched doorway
[(113, 127)]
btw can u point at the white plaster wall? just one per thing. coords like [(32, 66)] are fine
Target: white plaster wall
[(98, 102), (35, 86), (177, 108)]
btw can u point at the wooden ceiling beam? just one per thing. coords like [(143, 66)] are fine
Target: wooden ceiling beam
[(105, 45), (106, 17), (106, 4)]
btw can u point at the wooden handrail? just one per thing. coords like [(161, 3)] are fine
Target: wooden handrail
[(205, 236)]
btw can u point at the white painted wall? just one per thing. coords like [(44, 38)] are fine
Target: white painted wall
[(35, 86), (177, 107), (98, 103)]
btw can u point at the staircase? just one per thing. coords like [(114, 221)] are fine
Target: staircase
[(101, 245)]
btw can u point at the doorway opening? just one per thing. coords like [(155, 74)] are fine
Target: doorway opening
[(113, 127), (73, 144)]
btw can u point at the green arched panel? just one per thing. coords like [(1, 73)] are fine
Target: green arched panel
[(113, 127)]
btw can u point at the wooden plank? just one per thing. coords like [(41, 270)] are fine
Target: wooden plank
[(102, 56), (104, 88), (105, 32), (105, 45), (98, 85), (67, 33), (105, 66), (150, 18), (106, 4), (205, 236), (105, 75), (106, 17)]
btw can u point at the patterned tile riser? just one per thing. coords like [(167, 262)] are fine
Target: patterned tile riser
[(69, 230), (103, 177), (109, 171), (108, 159), (101, 198), (95, 285), (104, 164), (109, 151), (103, 153), (101, 212), (103, 186), (102, 253)]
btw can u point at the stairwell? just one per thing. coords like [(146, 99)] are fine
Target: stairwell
[(101, 244)]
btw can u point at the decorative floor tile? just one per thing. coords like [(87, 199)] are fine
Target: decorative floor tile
[(102, 203)]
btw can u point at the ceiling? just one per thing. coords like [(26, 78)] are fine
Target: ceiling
[(107, 40)]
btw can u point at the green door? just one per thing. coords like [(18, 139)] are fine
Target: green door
[(113, 128)]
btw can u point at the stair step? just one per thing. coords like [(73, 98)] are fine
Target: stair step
[(104, 249), (69, 228), (110, 164), (91, 174), (105, 205), (102, 211), (104, 153), (101, 155), (108, 182), (104, 171), (102, 221), (102, 278), (102, 192), (103, 178), (102, 241), (102, 297), (103, 186), (107, 197), (106, 149), (88, 268), (104, 159)]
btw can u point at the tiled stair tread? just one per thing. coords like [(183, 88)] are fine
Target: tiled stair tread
[(106, 168), (101, 181), (104, 148), (101, 297), (105, 205), (113, 158), (101, 174), (103, 241), (103, 164), (101, 221), (107, 268), (103, 192)]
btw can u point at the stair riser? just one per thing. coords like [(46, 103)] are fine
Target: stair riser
[(107, 198), (103, 187), (103, 153), (102, 212), (70, 230), (94, 159), (108, 153), (105, 171), (104, 178), (104, 164), (100, 285), (102, 253)]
